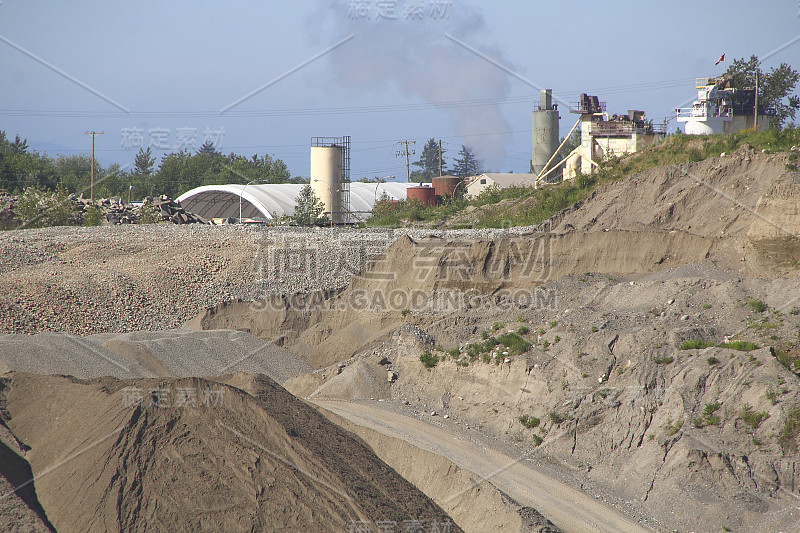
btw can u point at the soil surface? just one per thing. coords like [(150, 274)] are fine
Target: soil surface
[(639, 350)]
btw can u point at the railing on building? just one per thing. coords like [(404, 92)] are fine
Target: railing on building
[(614, 128), (587, 107)]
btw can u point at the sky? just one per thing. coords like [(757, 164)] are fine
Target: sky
[(263, 77)]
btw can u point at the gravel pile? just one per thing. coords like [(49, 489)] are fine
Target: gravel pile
[(177, 353), (125, 278)]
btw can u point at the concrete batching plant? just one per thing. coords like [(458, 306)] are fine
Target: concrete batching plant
[(330, 175)]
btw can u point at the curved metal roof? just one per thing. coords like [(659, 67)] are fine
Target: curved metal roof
[(266, 201)]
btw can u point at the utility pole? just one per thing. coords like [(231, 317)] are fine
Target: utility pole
[(93, 133), (405, 151), (755, 106), (440, 158)]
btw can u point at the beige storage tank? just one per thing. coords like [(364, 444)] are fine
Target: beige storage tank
[(326, 179)]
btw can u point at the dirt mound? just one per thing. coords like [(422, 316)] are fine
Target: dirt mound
[(177, 353), (745, 202), (216, 458)]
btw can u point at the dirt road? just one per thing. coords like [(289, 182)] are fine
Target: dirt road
[(569, 509)]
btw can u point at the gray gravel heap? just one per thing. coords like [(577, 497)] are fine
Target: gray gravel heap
[(88, 280)]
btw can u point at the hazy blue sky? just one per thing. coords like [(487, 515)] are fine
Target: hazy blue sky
[(167, 70)]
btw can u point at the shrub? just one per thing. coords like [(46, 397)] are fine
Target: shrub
[(454, 352), (429, 360), (529, 422), (537, 440), (663, 360), (708, 418), (93, 216), (515, 344), (757, 305), (712, 361), (555, 418), (787, 437), (752, 418), (497, 326), (787, 359), (523, 330), (771, 395)]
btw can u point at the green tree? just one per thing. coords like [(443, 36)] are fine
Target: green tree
[(74, 171), (467, 164), (775, 88), (144, 163), (308, 209), (207, 148), (428, 162)]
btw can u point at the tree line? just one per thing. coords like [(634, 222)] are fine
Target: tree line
[(22, 167)]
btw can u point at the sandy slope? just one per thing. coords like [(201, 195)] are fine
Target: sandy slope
[(234, 463)]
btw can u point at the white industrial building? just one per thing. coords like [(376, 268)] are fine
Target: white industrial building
[(722, 108), (478, 184), (268, 201)]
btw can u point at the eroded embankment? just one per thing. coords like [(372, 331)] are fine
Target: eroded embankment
[(438, 277)]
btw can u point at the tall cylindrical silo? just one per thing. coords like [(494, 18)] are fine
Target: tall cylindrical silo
[(326, 178), (544, 126)]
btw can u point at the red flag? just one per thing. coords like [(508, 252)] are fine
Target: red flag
[(720, 60)]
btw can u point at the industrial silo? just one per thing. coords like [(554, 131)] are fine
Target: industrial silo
[(327, 178), (545, 131)]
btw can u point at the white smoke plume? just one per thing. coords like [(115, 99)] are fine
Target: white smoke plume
[(417, 58)]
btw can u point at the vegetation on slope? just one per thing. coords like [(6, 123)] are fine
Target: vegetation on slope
[(525, 205)]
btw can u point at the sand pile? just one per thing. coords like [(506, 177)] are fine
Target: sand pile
[(178, 454)]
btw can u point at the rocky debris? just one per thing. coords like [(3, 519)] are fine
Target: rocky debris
[(171, 211), (113, 211), (416, 335), (127, 277)]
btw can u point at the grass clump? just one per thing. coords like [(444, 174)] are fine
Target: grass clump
[(537, 440), (709, 417), (712, 361), (699, 344), (787, 359), (757, 305), (429, 360), (739, 346), (555, 418), (523, 330), (516, 345), (663, 360), (787, 437), (674, 427), (752, 418), (529, 422), (696, 344)]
